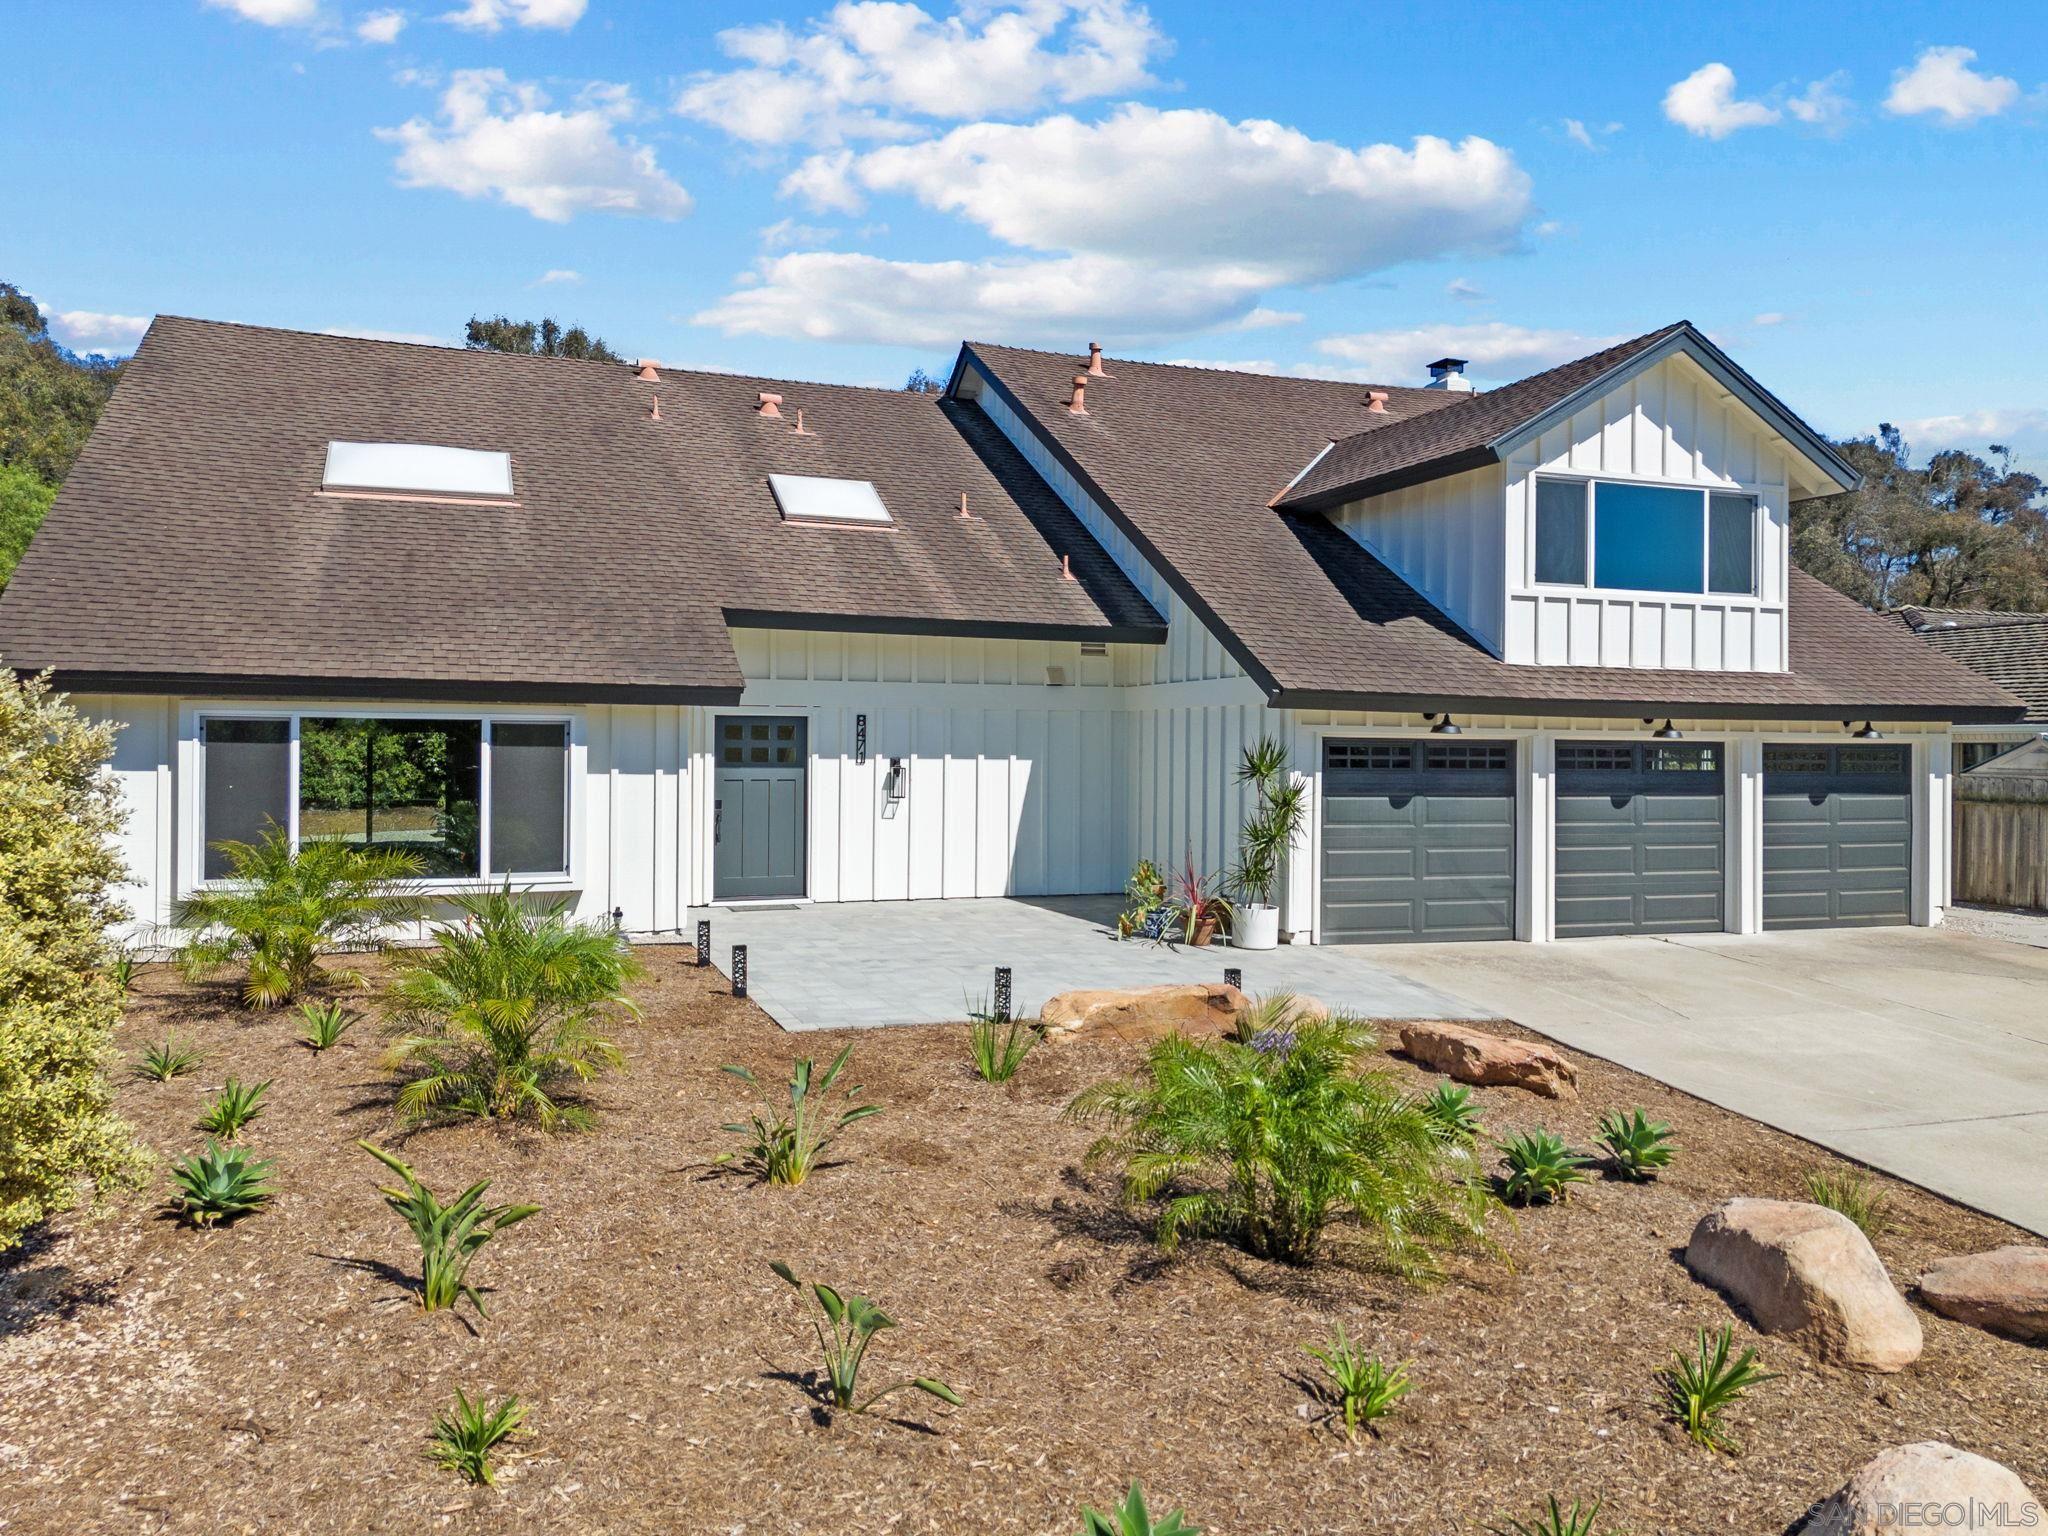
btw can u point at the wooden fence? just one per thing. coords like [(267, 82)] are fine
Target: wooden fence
[(2001, 854)]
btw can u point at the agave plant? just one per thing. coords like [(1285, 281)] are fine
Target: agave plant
[(1361, 1388), (1541, 1168), (1638, 1147), (1132, 1518), (449, 1235), (505, 1011), (849, 1326), (230, 1110), (1555, 1520), (221, 1183), (1700, 1387), (784, 1147), (325, 1024), (281, 907), (1453, 1115), (168, 1059), (467, 1435)]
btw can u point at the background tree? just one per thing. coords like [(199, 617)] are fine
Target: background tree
[(49, 400), (923, 383), (536, 338)]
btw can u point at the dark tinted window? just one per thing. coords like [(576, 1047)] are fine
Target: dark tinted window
[(1731, 544), (247, 790), (529, 798), (1561, 532)]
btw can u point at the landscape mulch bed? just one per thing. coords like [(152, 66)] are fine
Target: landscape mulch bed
[(275, 1376)]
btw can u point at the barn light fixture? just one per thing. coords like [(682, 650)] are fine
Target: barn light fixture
[(1667, 732), (1445, 725), (1869, 732)]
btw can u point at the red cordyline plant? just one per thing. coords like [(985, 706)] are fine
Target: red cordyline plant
[(1195, 902)]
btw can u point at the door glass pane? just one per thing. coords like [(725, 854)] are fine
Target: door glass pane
[(247, 791), (529, 798), (406, 784), (1646, 538), (1731, 543), (1561, 531)]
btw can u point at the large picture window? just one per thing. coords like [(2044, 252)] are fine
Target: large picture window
[(412, 785), (1625, 537)]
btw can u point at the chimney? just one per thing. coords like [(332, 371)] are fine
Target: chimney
[(1376, 401), (1078, 405), (648, 371), (771, 405), (1095, 361), (1449, 373)]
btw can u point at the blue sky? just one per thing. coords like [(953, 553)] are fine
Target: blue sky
[(841, 192)]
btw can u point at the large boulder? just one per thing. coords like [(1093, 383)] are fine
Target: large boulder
[(2005, 1290), (1923, 1487), (1809, 1273), (1491, 1061), (1140, 1015)]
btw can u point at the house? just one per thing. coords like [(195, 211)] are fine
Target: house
[(2009, 648), (656, 639)]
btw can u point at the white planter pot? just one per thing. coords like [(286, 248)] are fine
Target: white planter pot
[(1255, 928)]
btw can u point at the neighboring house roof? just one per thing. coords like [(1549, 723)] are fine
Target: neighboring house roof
[(192, 545), (2009, 648), (1188, 460)]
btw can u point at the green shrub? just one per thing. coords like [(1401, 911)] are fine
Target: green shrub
[(1851, 1193), (1555, 1520), (326, 1023), (1700, 1387), (506, 1011), (1452, 1115), (233, 1108), (998, 1046), (1361, 1388), (167, 1059), (783, 1147), (849, 1326), (60, 813), (449, 1235), (1132, 1518), (1541, 1168), (465, 1437), (1269, 1148), (1638, 1148), (221, 1183), (122, 969)]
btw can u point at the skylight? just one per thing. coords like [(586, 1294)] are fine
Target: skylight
[(817, 499), (419, 468)]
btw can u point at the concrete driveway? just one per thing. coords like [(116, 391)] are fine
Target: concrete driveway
[(1920, 1051)]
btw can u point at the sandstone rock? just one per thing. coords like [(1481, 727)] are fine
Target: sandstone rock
[(1807, 1272), (1919, 1487), (2005, 1290), (1143, 1014), (1471, 1056)]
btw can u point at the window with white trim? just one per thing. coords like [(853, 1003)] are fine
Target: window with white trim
[(1619, 535)]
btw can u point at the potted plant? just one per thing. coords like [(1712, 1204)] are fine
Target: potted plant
[(1146, 891), (1200, 913), (1263, 843)]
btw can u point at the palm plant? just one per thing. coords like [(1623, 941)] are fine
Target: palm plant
[(1851, 1194), (449, 1235), (1268, 1148), (1702, 1386), (326, 1023), (168, 1059), (280, 907), (1132, 1518), (849, 1327), (1638, 1147), (231, 1109), (505, 1010), (997, 1046), (465, 1437), (784, 1147), (1541, 1168), (1270, 830), (1364, 1389), (1555, 1520), (221, 1183)]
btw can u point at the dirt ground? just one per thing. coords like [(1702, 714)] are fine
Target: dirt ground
[(273, 1376)]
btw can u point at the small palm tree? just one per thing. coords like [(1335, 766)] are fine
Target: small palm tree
[(280, 907), (506, 1009)]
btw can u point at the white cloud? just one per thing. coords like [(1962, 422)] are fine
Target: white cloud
[(498, 139), (1769, 317), (2024, 429), (1256, 365), (1495, 350), (788, 234), (381, 26), (557, 275), (865, 65), (273, 13), (88, 330), (1464, 291), (490, 15), (1588, 137), (1704, 102), (1942, 83), (1823, 103), (369, 333)]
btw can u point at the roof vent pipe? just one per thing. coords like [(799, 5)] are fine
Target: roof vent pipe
[(1095, 361), (800, 430), (1078, 405), (654, 411), (965, 515), (648, 371), (1376, 401), (771, 405), (1067, 568), (1448, 373)]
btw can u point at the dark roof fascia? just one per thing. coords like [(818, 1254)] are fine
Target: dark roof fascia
[(515, 691), (970, 629), (1436, 703), (1182, 587)]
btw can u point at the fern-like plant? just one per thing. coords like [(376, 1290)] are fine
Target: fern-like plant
[(849, 1326), (1639, 1148), (997, 1046), (168, 1059), (280, 908), (229, 1111), (221, 1183), (1554, 1520), (1270, 1149), (467, 1435), (449, 1235), (1359, 1387), (505, 1013), (325, 1024), (1541, 1169), (785, 1146), (1700, 1387), (1132, 1518), (1850, 1193)]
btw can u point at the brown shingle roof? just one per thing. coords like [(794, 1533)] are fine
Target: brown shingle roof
[(2009, 648), (1188, 460), (192, 543)]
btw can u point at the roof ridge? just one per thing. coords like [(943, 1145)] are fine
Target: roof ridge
[(1288, 376)]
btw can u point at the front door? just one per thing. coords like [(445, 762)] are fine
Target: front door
[(758, 813)]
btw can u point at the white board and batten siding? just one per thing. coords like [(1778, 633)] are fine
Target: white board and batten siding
[(1444, 539)]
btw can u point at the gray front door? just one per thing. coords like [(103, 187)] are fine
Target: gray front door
[(758, 817), (1418, 840), (1838, 835), (1640, 840)]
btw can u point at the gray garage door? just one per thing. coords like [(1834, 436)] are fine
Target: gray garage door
[(1838, 835), (1639, 837), (1418, 841)]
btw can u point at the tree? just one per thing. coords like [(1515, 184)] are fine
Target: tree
[(49, 401), (922, 383), (536, 338), (59, 812)]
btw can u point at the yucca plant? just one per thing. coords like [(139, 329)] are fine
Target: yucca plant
[(1851, 1193), (849, 1327), (229, 1111), (1270, 1148), (505, 1012), (325, 1024), (281, 907), (784, 1147), (122, 969), (1554, 1520), (1700, 1387), (168, 1059), (997, 1046), (1132, 1518), (468, 1434), (221, 1183), (449, 1235), (1541, 1169), (1639, 1148), (1360, 1387), (1452, 1114)]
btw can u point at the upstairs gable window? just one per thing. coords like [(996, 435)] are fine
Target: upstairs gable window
[(1626, 537)]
